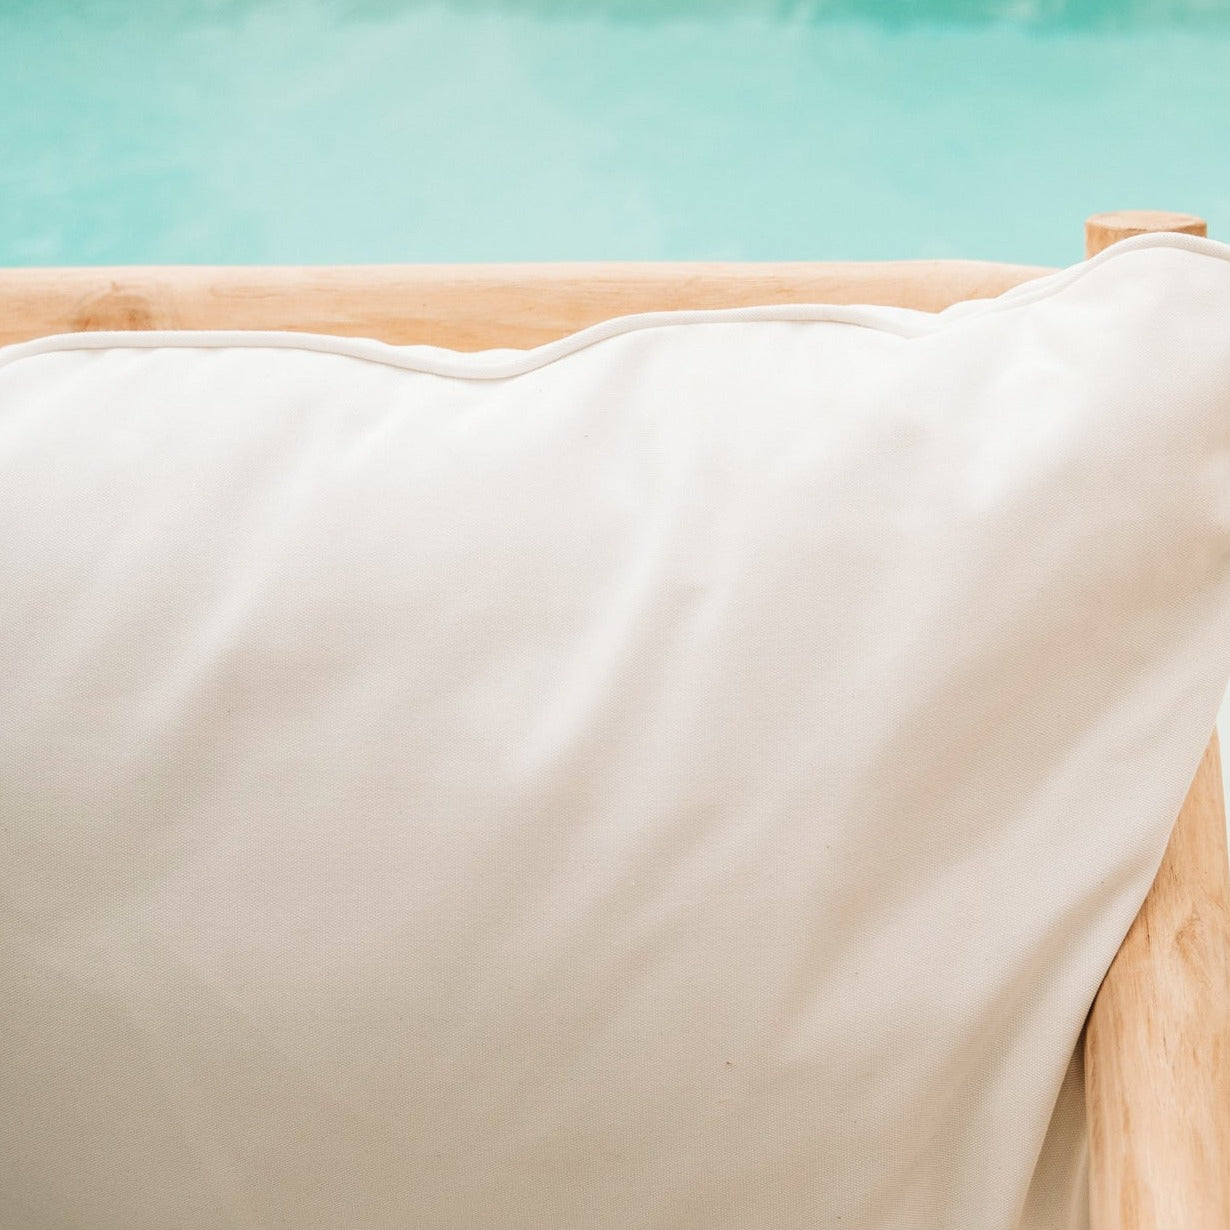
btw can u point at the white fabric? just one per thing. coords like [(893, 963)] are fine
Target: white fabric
[(691, 775)]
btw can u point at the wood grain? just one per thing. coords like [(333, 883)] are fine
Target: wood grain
[(1157, 1041), (464, 307), (1101, 230)]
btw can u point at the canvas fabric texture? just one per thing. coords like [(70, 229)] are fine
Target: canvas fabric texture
[(690, 776)]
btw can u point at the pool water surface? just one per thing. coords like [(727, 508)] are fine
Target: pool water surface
[(266, 131)]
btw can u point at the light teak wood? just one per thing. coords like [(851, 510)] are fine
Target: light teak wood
[(1157, 1041), (1101, 230), (463, 307)]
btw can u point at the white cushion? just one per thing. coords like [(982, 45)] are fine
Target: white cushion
[(691, 775)]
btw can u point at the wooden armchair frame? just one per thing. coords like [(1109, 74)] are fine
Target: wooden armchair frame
[(1157, 1039)]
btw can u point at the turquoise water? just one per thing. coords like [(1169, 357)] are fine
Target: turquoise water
[(271, 131)]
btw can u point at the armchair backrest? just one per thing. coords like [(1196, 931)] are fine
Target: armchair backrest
[(1157, 1041)]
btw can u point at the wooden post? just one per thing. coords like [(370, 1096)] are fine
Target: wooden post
[(1101, 230), (1157, 1041)]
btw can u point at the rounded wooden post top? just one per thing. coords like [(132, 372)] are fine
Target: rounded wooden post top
[(1101, 230)]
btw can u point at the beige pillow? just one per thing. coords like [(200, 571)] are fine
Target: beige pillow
[(691, 775)]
